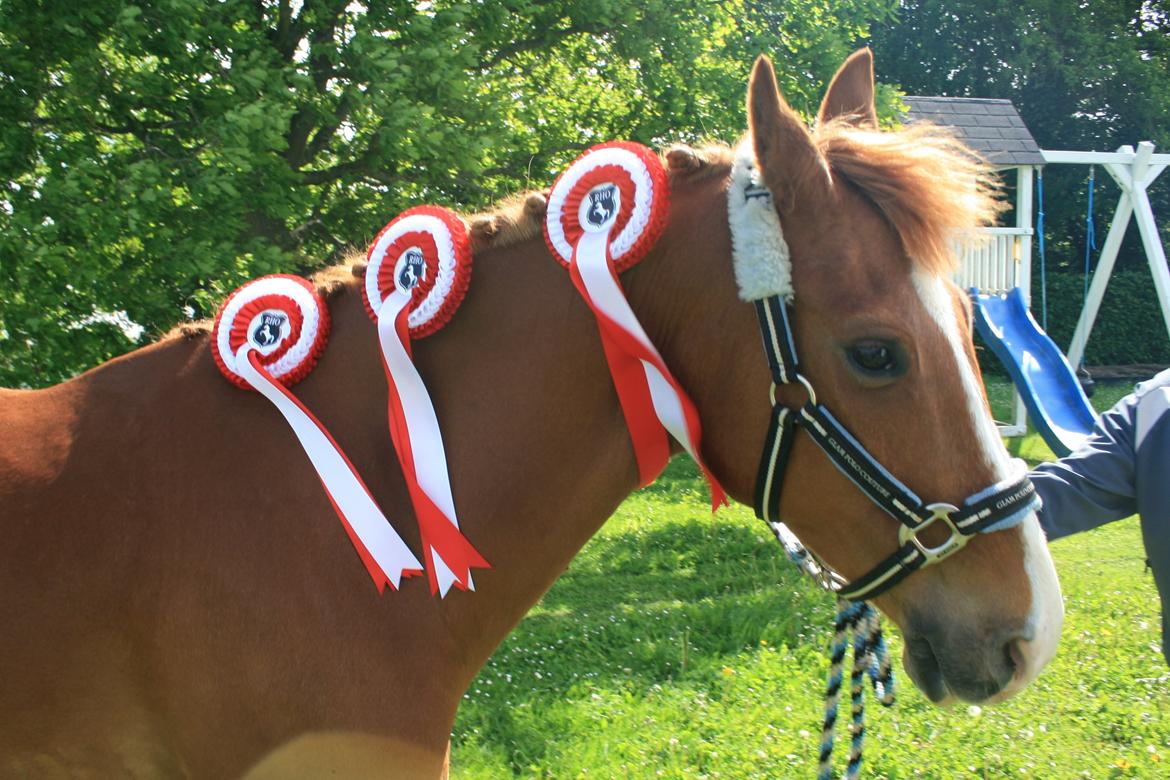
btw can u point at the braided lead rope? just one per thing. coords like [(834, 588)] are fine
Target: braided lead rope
[(870, 659), (883, 672), (861, 663), (846, 616)]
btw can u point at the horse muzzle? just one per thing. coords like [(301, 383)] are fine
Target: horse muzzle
[(972, 666)]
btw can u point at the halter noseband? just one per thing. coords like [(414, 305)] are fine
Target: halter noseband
[(998, 507)]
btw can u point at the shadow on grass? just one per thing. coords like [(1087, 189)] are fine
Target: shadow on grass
[(705, 576), (679, 482), (672, 603)]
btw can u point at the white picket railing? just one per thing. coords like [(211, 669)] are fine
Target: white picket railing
[(1001, 260), (997, 263)]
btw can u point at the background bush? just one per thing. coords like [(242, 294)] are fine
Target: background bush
[(156, 153), (1129, 327)]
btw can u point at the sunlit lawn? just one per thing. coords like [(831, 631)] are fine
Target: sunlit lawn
[(684, 645)]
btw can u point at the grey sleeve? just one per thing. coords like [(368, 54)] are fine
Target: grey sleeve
[(1095, 484)]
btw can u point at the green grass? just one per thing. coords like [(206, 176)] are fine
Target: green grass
[(684, 645)]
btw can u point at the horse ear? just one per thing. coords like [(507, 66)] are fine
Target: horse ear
[(791, 165), (850, 94)]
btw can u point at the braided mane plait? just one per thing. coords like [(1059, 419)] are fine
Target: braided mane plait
[(520, 217), (686, 163), (515, 219), (926, 182)]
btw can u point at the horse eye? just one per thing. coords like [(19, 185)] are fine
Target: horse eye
[(875, 358)]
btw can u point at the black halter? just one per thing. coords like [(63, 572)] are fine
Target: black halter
[(1000, 506)]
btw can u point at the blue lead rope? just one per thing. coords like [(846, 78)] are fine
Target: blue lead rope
[(871, 658)]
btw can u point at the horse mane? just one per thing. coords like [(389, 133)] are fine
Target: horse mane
[(513, 220), (926, 182), (930, 186), (518, 218)]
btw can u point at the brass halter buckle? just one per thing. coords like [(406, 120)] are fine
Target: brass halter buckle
[(938, 513)]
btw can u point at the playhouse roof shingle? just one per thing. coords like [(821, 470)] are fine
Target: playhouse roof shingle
[(990, 126)]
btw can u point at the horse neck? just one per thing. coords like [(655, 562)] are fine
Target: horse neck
[(537, 447), (535, 440), (536, 443), (540, 456), (686, 297)]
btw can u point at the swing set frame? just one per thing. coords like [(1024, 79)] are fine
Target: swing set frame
[(1134, 171), (1005, 260)]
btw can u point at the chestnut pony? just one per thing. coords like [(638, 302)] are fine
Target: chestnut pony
[(177, 598)]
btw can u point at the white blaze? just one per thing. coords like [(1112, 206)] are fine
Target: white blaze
[(1047, 613)]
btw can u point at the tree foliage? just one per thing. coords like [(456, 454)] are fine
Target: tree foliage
[(1084, 75), (156, 153)]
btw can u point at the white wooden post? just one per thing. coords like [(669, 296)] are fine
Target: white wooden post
[(1024, 176), (1023, 270), (1148, 227)]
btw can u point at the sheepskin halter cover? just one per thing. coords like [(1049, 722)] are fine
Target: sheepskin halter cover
[(268, 335), (418, 271), (605, 211)]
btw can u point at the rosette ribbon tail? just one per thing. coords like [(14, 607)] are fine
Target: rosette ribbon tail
[(385, 555), (639, 372), (649, 438), (449, 556), (414, 428)]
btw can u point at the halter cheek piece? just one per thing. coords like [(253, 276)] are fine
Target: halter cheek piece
[(998, 507)]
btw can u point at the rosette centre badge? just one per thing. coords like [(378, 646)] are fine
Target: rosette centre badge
[(599, 208), (268, 329)]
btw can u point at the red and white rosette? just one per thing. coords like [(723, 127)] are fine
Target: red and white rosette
[(268, 335), (604, 213), (418, 270)]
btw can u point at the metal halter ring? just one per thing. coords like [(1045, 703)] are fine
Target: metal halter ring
[(938, 513), (808, 388)]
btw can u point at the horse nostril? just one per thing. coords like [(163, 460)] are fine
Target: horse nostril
[(1015, 657)]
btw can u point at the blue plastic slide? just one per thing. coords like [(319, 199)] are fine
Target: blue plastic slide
[(1056, 404)]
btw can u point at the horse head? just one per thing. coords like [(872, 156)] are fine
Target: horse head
[(884, 340)]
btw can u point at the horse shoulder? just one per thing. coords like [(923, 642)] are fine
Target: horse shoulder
[(36, 435)]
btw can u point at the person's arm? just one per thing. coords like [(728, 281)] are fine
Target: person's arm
[(1095, 484)]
